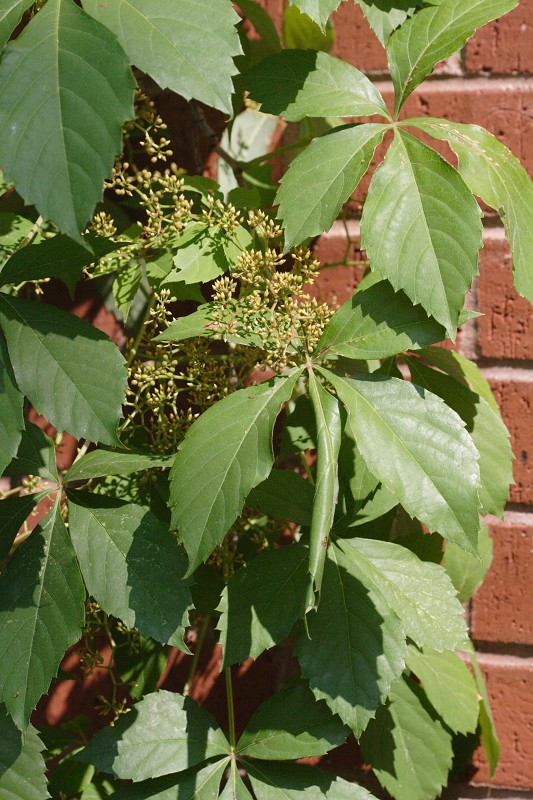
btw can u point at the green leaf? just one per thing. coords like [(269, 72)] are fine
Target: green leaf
[(466, 571), (352, 663), (36, 455), (493, 173), (303, 83), (284, 495), (10, 16), (13, 228), (415, 199), (70, 777), (329, 431), (262, 602), (199, 323), (489, 735), (177, 43), (129, 560), (126, 286), (205, 253), (299, 430), (462, 370), (139, 665), (301, 32), (291, 725), (194, 784), (384, 16), (164, 733), (434, 33), (225, 453), (114, 462), (11, 409), (235, 788), (278, 781), (449, 687), (486, 427), (377, 323), (13, 513), (61, 113), (416, 446), (262, 22), (421, 593), (317, 10), (322, 178), (409, 750), (42, 610), (102, 750), (22, 767), (70, 371), (59, 257)]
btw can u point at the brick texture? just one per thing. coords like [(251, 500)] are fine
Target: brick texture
[(504, 46), (501, 609)]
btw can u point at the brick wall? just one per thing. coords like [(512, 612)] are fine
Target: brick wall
[(489, 83)]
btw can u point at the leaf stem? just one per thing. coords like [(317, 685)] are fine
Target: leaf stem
[(197, 650), (231, 708)]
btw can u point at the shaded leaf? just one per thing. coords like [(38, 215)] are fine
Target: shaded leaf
[(449, 687), (13, 513), (11, 409), (421, 593), (262, 602), (301, 32), (225, 453), (467, 571), (415, 445), (262, 22), (436, 32), (61, 112), (409, 750), (139, 666), (10, 16), (493, 173), (36, 455), (290, 725), (489, 734), (304, 83), (114, 462), (131, 565), (367, 640), (284, 495), (415, 199), (22, 767), (197, 784), (69, 370), (317, 10), (322, 177), (42, 610), (177, 44)]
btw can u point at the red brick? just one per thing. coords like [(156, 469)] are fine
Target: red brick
[(510, 686), (504, 46), (337, 283), (355, 41), (513, 389), (275, 9), (506, 329), (501, 609)]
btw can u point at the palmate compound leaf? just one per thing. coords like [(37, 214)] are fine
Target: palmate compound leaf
[(486, 427), (421, 228), (406, 745), (261, 603), (42, 611), (322, 177), (318, 10), (163, 733), (352, 663), (449, 686), (305, 83), (22, 767), (434, 33), (177, 44), (225, 453), (11, 409), (329, 433), (70, 372), (281, 781), (131, 565), (419, 449), (421, 593), (66, 88), (378, 322), (493, 173), (193, 784), (291, 725)]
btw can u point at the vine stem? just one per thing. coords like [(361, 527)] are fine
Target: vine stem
[(231, 708), (197, 650)]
